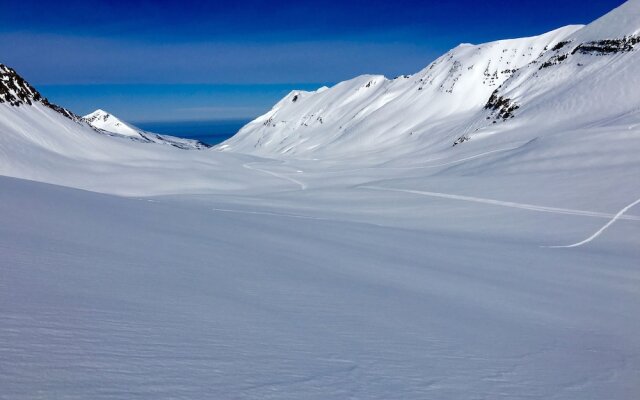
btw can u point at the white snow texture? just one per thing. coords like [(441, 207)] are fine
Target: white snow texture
[(468, 232)]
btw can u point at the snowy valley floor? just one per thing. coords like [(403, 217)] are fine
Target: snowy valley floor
[(333, 284)]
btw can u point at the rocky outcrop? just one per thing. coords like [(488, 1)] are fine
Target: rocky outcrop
[(16, 91)]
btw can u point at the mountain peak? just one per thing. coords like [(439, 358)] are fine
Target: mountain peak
[(98, 112), (16, 91), (108, 122)]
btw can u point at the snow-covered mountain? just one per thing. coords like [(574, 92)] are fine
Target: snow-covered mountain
[(16, 92), (567, 78), (109, 123), (44, 142), (590, 78)]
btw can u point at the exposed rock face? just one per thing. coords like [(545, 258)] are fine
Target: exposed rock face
[(501, 107), (16, 91), (608, 46)]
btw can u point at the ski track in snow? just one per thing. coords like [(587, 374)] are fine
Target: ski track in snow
[(303, 186), (523, 206), (466, 158), (249, 166), (619, 215)]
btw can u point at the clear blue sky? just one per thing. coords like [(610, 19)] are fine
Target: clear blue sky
[(188, 59)]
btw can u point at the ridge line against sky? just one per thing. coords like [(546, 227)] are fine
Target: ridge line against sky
[(263, 48)]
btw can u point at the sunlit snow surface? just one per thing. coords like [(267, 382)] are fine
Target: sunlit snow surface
[(320, 281), (210, 297), (506, 267)]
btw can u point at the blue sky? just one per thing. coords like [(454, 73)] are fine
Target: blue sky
[(172, 60)]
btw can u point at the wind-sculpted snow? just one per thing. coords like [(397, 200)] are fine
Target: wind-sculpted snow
[(215, 297)]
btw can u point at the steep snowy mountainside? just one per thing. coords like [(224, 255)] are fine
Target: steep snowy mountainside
[(16, 91), (589, 79), (109, 123), (620, 22), (371, 112)]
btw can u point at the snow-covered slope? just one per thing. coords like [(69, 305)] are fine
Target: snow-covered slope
[(16, 92), (372, 112), (44, 142), (589, 79), (344, 293), (38, 143), (560, 79), (109, 123)]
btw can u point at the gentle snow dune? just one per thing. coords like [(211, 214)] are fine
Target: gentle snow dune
[(39, 144)]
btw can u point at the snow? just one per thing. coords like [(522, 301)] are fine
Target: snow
[(36, 143), (339, 246), (14, 87), (543, 80), (369, 113), (621, 22), (111, 124), (201, 297), (105, 121)]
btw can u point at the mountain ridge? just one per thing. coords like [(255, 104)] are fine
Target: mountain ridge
[(16, 91), (471, 92), (106, 122)]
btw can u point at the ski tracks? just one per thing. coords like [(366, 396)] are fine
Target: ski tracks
[(302, 185), (616, 217), (523, 206), (531, 207)]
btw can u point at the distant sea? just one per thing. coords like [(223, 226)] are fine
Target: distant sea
[(209, 132)]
